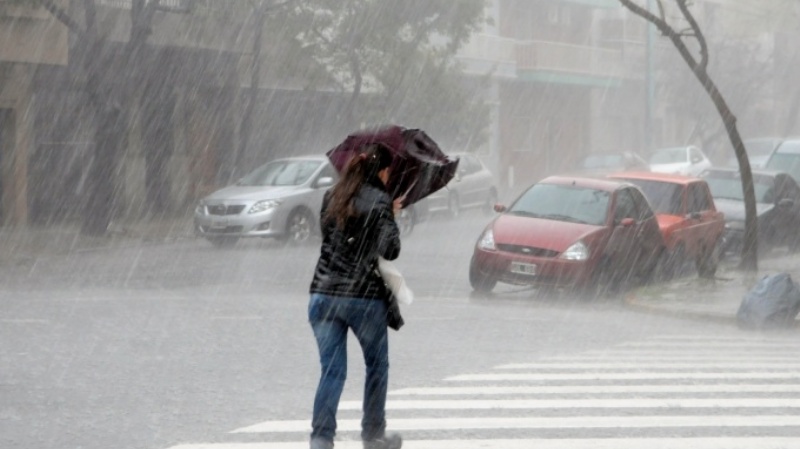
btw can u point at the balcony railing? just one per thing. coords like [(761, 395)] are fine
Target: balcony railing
[(489, 48), (568, 58)]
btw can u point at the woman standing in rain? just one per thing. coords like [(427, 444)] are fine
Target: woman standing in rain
[(358, 226)]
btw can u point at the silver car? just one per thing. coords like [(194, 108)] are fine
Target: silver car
[(472, 187), (280, 199)]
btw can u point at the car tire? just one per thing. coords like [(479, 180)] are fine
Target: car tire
[(491, 200), (707, 262), (299, 227), (480, 282), (453, 205), (653, 266), (223, 241), (675, 262), (604, 281)]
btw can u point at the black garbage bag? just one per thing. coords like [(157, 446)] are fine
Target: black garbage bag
[(773, 302)]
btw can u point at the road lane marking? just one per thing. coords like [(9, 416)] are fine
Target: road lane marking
[(640, 365), (539, 443), (599, 389), (553, 404), (621, 376), (557, 422)]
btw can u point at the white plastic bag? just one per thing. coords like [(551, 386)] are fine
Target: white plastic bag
[(395, 281)]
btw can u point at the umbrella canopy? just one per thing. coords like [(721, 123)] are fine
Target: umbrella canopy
[(419, 167)]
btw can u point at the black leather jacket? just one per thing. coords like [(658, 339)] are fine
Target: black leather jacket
[(349, 257)]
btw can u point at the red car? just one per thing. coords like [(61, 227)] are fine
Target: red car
[(687, 217), (572, 232)]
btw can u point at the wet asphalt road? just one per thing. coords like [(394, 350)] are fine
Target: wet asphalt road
[(151, 345)]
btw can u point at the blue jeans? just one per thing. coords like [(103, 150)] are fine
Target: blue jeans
[(330, 318)]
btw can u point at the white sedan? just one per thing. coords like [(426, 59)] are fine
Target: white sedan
[(687, 161)]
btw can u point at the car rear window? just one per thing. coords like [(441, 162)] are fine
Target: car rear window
[(563, 203), (664, 197)]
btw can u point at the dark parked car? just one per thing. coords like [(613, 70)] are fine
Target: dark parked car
[(777, 208), (573, 232)]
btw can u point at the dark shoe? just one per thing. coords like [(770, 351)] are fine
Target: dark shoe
[(319, 443), (391, 441)]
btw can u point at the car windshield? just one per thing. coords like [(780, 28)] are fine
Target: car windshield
[(664, 197), (668, 156), (281, 173), (786, 162), (563, 203), (729, 186)]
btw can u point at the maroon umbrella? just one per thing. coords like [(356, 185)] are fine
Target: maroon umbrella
[(419, 167)]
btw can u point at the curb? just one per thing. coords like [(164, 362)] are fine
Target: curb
[(634, 303)]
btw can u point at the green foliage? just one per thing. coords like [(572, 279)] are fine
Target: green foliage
[(397, 58)]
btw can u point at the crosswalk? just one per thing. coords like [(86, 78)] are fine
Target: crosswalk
[(668, 392)]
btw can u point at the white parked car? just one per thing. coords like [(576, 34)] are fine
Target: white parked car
[(280, 199), (687, 161), (472, 187)]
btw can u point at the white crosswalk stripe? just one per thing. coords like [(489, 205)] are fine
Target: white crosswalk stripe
[(667, 392)]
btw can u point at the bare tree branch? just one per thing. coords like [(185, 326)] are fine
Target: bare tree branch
[(698, 34)]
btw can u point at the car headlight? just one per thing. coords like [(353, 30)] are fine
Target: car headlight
[(264, 205), (577, 251), (487, 241)]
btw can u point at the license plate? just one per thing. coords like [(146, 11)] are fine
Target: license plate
[(523, 268), (219, 224)]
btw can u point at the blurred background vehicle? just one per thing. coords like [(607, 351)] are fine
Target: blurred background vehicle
[(569, 232), (687, 160), (786, 158), (473, 187), (777, 208), (758, 152), (610, 161), (280, 199), (687, 218)]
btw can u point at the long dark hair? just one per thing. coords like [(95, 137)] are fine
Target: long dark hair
[(363, 167)]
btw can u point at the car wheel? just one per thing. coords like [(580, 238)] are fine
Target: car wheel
[(223, 241), (491, 200), (299, 227), (707, 262), (453, 205), (480, 282), (675, 262), (652, 268), (604, 280)]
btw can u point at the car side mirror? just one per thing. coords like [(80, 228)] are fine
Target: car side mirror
[(786, 202), (325, 181), (627, 222), (499, 208)]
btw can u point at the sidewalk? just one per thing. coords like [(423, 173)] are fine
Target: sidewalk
[(18, 245), (715, 299)]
